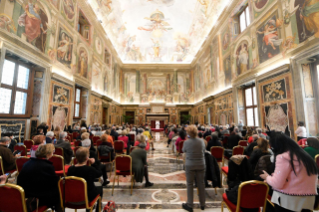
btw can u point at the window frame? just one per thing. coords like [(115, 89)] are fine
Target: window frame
[(14, 88), (253, 106), (239, 24), (75, 103)]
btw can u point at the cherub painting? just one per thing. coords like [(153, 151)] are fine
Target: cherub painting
[(69, 9), (65, 46)]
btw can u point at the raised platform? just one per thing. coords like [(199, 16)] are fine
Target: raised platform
[(157, 130)]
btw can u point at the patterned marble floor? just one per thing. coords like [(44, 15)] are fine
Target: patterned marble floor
[(169, 190)]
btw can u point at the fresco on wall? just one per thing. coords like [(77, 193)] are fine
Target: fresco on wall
[(65, 47), (106, 82), (82, 62), (36, 97), (32, 25), (96, 76), (144, 31), (59, 117), (7, 23), (96, 110), (227, 70), (307, 19), (307, 80), (214, 59), (277, 117), (275, 91), (242, 58), (55, 3), (225, 39), (98, 45), (269, 39), (68, 8), (260, 3), (61, 95)]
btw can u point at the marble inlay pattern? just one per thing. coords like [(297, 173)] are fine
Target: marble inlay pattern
[(165, 195), (164, 165)]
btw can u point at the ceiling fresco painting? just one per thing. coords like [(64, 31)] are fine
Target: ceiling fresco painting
[(158, 31)]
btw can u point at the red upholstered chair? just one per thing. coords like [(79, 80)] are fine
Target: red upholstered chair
[(75, 161), (119, 147), (208, 138), (75, 194), (28, 144), (75, 149), (60, 169), (98, 142), (22, 149), (132, 137), (225, 140), (248, 191), (243, 143), (75, 135), (71, 137), (91, 137), (20, 162), (218, 153), (13, 199), (123, 166), (77, 143), (95, 139), (59, 151), (2, 168), (237, 150)]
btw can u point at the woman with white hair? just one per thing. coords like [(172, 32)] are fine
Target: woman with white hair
[(49, 137)]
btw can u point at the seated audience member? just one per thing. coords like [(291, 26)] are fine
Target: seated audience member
[(139, 165), (98, 131), (9, 161), (149, 137), (96, 163), (42, 129), (106, 147), (301, 131), (240, 126), (109, 137), (114, 133), (83, 130), (200, 135), (65, 145), (260, 133), (250, 148), (249, 133), (49, 137), (3, 179), (140, 142), (13, 142), (225, 130), (313, 147), (122, 137), (89, 173), (38, 179), (70, 129), (262, 150), (302, 142), (264, 164), (181, 137), (57, 131), (208, 132), (38, 140), (233, 139), (294, 181), (239, 171), (213, 142)]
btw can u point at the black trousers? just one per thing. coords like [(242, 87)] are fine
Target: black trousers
[(100, 189), (281, 209)]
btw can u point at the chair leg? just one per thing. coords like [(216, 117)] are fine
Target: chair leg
[(132, 180), (222, 206), (215, 191), (113, 183), (118, 180)]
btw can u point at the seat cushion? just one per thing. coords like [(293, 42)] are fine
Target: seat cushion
[(230, 205), (79, 205), (225, 170), (118, 172), (72, 147), (66, 168)]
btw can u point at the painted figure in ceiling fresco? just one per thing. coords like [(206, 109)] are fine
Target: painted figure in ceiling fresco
[(161, 2), (309, 13), (260, 3), (242, 59), (107, 3), (83, 63), (64, 49), (34, 21), (69, 8), (268, 39), (7, 23), (55, 3)]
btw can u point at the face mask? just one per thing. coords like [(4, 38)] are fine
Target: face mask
[(8, 144), (45, 142)]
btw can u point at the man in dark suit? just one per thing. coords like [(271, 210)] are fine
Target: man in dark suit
[(8, 160), (67, 151), (114, 133), (12, 143)]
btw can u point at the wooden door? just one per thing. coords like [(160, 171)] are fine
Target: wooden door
[(104, 115)]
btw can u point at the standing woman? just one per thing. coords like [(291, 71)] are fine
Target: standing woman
[(301, 131), (194, 148), (295, 178)]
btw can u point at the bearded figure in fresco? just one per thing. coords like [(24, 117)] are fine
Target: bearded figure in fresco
[(309, 13), (32, 22), (59, 118)]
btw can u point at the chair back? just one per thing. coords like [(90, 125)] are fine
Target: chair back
[(208, 138), (252, 190), (68, 138), (1, 167), (12, 198), (91, 137), (75, 191), (132, 148), (98, 142), (59, 151), (20, 161), (104, 159), (217, 152), (119, 146), (317, 160), (28, 143), (75, 161), (123, 163), (180, 146), (75, 135), (243, 143), (77, 143), (75, 149), (58, 162), (21, 148), (71, 137), (238, 150), (132, 137), (95, 139), (225, 140)]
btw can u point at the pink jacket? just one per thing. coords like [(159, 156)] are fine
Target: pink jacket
[(285, 181)]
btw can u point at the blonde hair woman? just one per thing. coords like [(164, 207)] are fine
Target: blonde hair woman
[(194, 148)]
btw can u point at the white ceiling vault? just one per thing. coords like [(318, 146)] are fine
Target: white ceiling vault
[(157, 31)]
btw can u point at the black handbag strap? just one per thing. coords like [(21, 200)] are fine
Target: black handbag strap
[(63, 194)]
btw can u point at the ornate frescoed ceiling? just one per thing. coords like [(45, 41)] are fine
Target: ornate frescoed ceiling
[(158, 31)]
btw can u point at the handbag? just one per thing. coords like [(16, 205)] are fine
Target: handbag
[(109, 207), (32, 204)]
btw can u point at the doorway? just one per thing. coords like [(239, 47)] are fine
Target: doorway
[(184, 117), (130, 115), (104, 120)]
